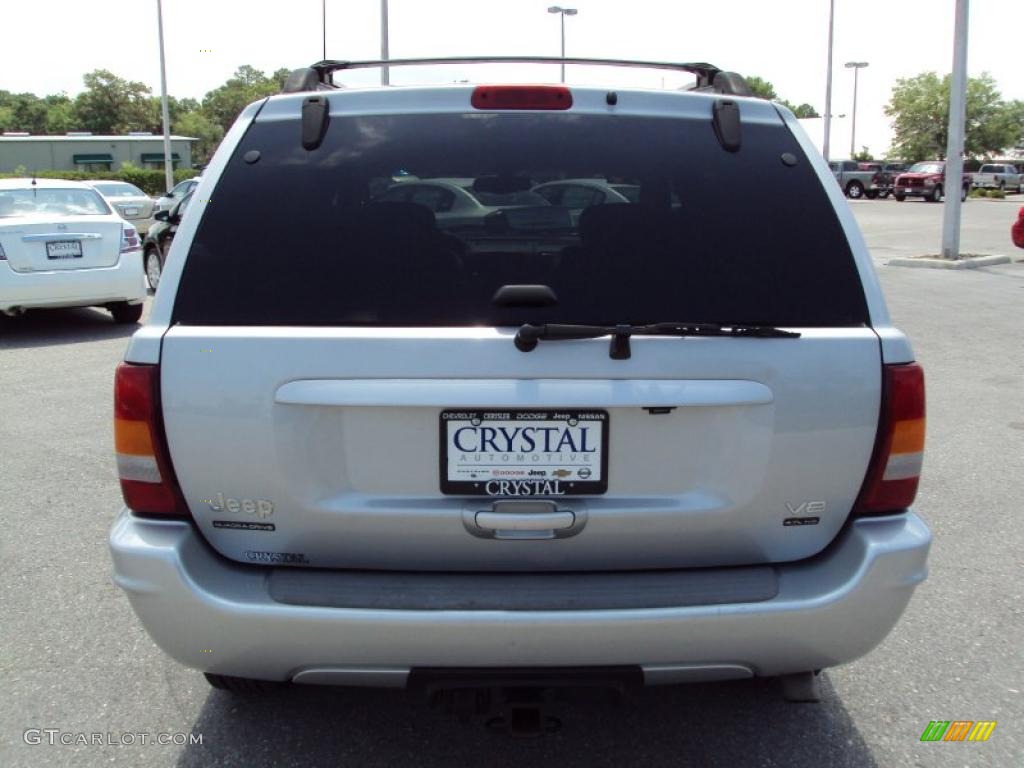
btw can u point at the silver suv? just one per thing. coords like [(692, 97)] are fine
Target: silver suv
[(362, 444)]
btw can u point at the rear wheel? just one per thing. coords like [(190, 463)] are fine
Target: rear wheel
[(125, 313), (871, 194), (963, 194), (241, 684), (855, 190), (153, 268), (936, 196)]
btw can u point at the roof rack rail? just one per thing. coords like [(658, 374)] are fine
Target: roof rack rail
[(709, 77)]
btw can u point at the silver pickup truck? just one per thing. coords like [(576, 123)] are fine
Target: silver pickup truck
[(854, 181), (999, 176)]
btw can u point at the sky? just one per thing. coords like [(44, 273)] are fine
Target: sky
[(783, 41)]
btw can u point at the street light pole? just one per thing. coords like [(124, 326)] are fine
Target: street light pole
[(323, 15), (828, 81), (856, 66), (955, 139), (564, 12), (385, 74), (168, 165)]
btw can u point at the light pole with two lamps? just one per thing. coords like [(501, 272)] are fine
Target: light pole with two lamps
[(564, 12)]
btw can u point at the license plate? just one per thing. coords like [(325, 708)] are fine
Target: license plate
[(131, 211), (504, 452), (64, 249)]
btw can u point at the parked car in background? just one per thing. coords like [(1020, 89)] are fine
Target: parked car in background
[(176, 195), (458, 202), (359, 445), (130, 202), (578, 194), (883, 178), (159, 239), (61, 245), (999, 176), (853, 180), (926, 180), (1017, 230)]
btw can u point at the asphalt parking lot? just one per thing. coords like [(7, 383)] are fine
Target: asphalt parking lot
[(74, 658)]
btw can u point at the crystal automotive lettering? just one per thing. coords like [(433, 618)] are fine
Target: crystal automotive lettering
[(550, 439), (523, 488)]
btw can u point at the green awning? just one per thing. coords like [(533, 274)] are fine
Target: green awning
[(158, 157), (92, 159)]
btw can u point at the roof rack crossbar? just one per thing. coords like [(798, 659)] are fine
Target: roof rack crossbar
[(705, 72)]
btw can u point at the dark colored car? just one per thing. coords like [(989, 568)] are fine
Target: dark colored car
[(158, 240)]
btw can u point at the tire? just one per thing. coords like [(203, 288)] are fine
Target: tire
[(125, 313), (884, 194), (899, 197), (855, 190), (241, 684), (153, 268), (871, 194), (936, 196), (963, 194)]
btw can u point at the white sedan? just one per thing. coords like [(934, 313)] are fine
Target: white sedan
[(62, 246), (128, 201)]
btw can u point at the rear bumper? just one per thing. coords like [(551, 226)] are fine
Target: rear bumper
[(73, 287), (218, 616)]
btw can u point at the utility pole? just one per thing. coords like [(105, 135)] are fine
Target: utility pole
[(828, 81), (323, 18), (385, 74), (955, 142), (168, 164)]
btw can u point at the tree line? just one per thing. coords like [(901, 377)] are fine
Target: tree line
[(109, 104), (113, 105)]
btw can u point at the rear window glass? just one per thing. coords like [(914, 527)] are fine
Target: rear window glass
[(119, 190), (51, 201), (417, 220)]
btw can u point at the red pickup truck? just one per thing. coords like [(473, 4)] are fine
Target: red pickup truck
[(926, 180)]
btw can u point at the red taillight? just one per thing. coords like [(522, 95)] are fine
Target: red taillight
[(521, 97), (892, 477), (130, 240), (143, 466)]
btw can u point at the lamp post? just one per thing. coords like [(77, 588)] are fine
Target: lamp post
[(563, 13), (828, 81), (385, 74), (168, 165), (856, 66), (955, 139)]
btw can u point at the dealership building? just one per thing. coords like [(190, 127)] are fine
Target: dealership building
[(85, 152)]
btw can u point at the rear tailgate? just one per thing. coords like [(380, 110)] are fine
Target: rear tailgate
[(319, 365), (760, 458)]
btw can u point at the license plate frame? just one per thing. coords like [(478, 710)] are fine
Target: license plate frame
[(564, 473), (73, 249)]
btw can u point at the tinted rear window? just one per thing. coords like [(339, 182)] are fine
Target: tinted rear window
[(330, 237)]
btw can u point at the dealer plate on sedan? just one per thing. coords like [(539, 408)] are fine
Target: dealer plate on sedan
[(509, 452), (64, 249)]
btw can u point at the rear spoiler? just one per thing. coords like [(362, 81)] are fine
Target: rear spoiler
[(318, 77)]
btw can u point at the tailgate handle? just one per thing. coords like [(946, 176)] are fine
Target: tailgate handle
[(526, 519)]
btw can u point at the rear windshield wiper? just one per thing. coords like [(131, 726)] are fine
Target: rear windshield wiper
[(528, 335)]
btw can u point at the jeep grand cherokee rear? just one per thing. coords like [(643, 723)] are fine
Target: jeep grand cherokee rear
[(360, 438)]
